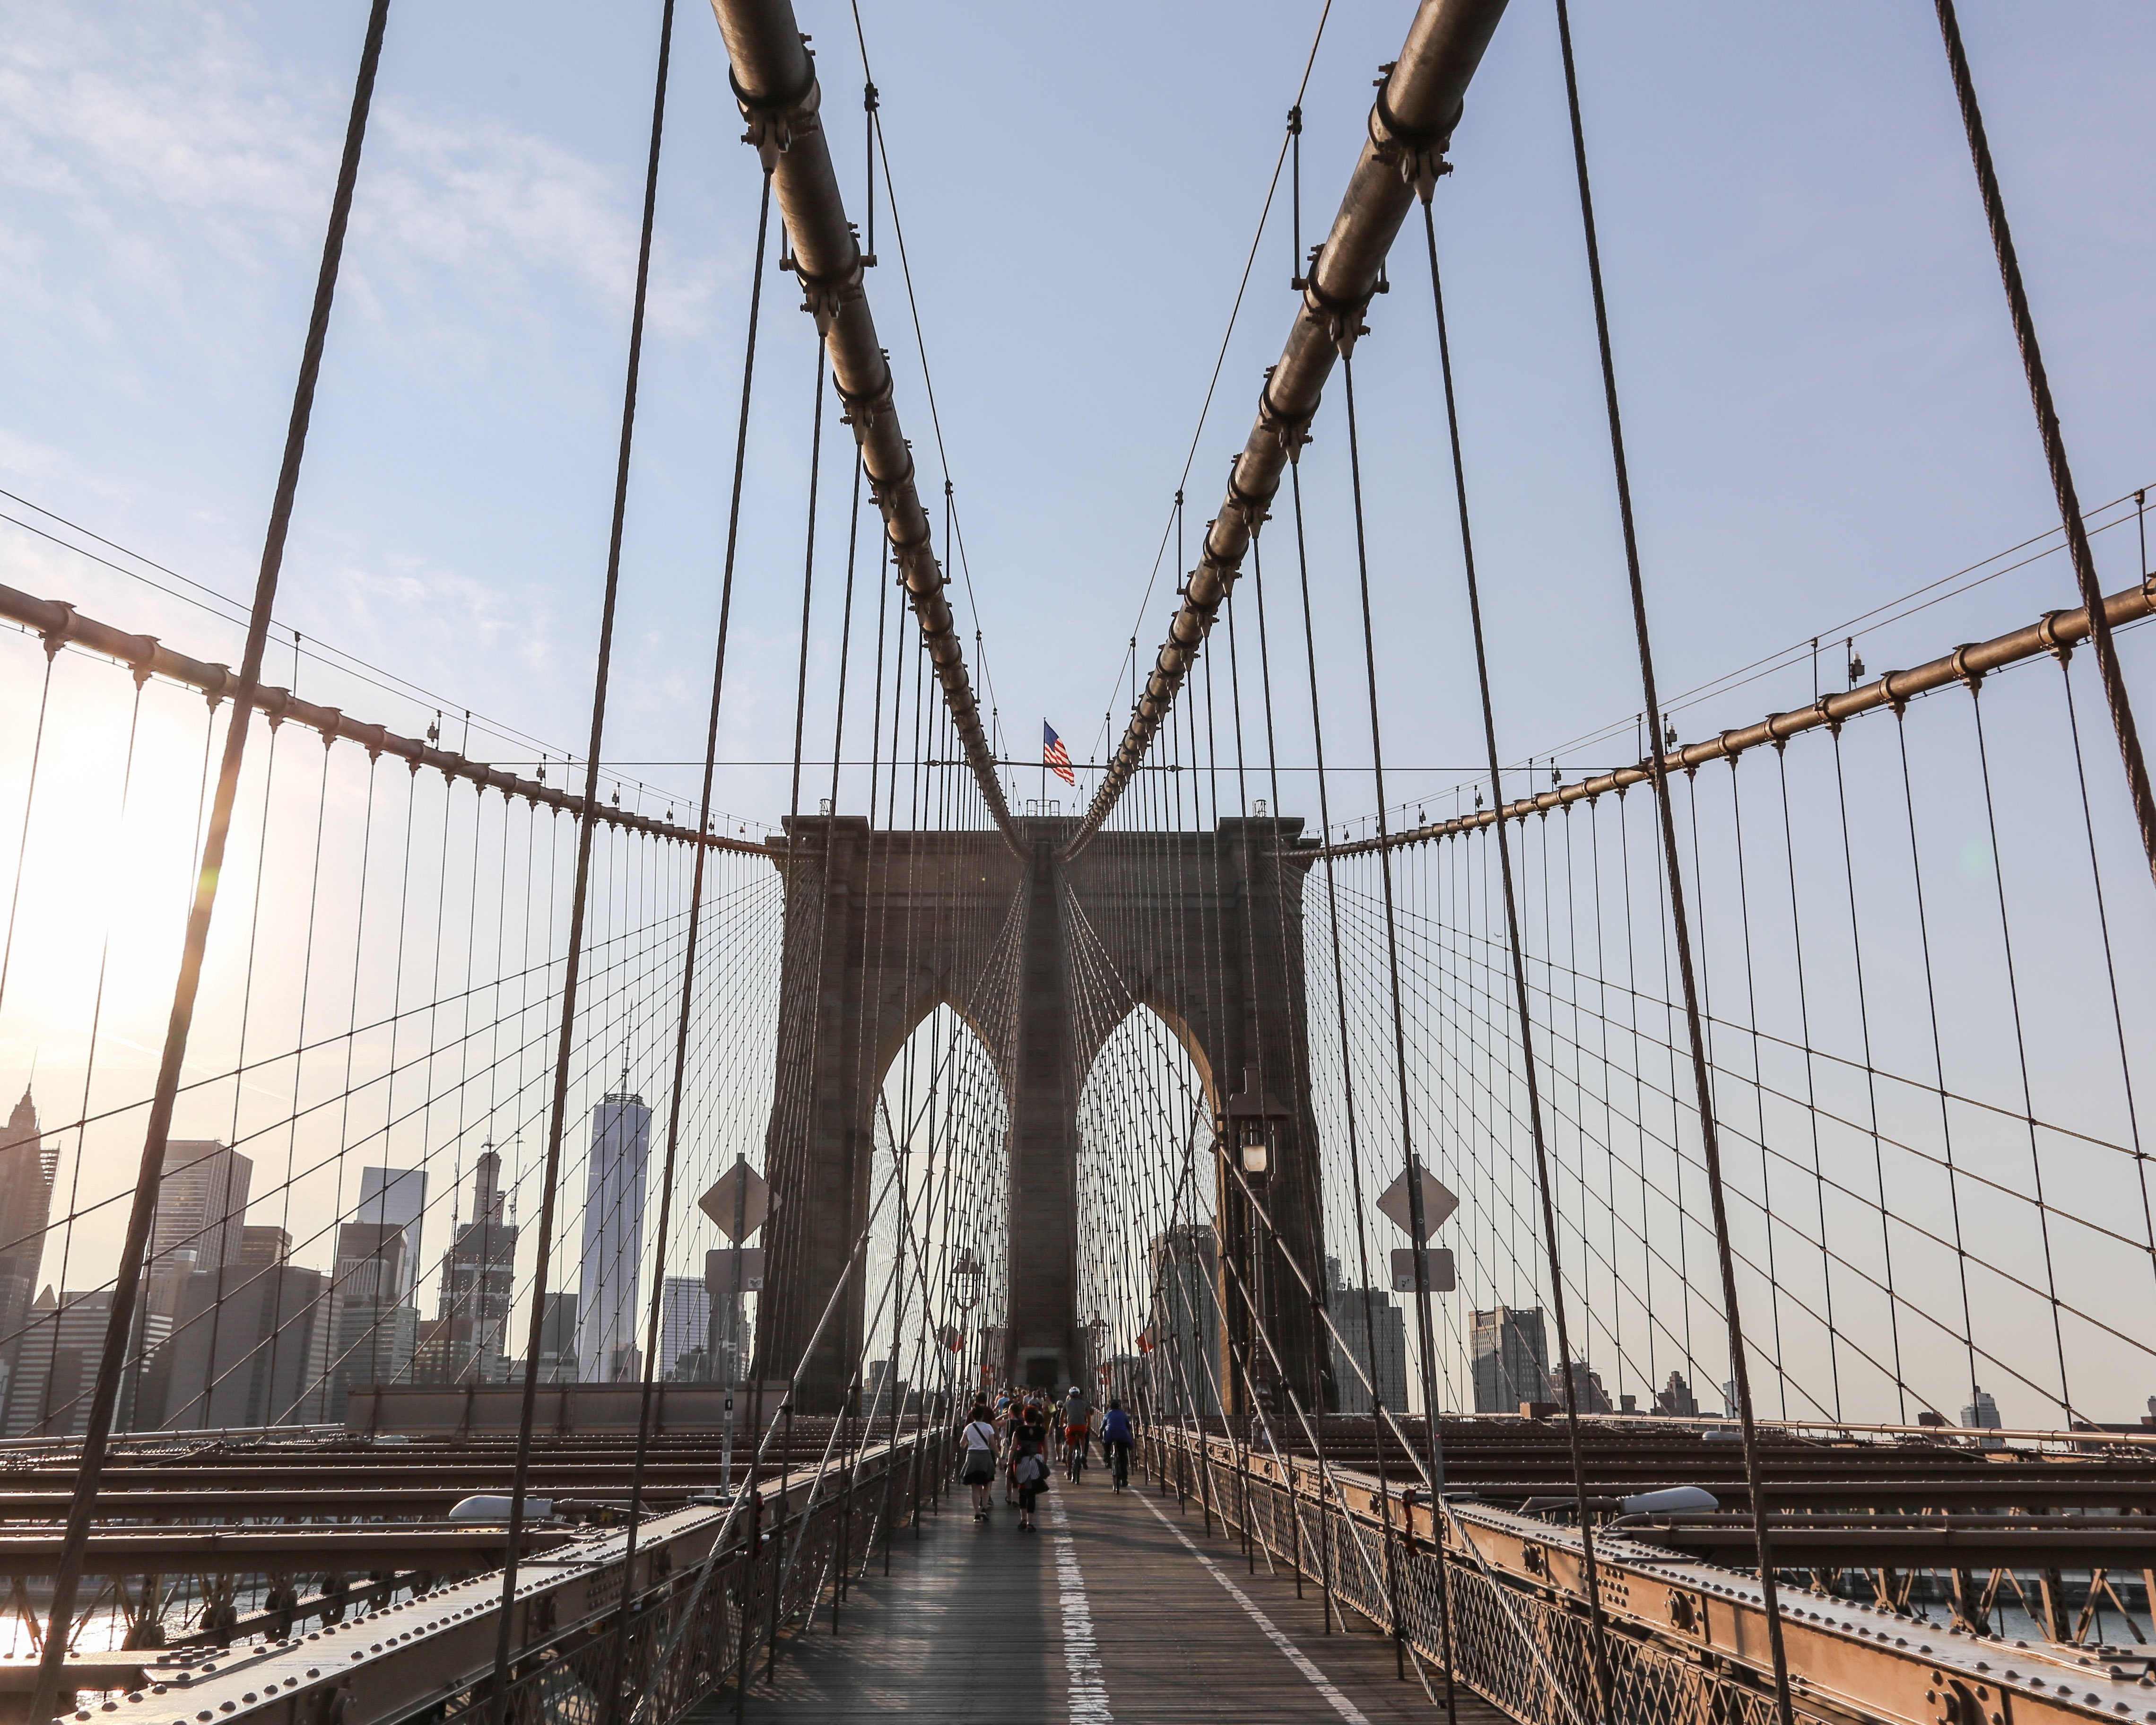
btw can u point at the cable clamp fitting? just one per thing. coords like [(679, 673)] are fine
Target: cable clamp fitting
[(1416, 151), (1253, 510), (1341, 318), (774, 122), (2047, 632), (822, 295), (862, 408), (1975, 679), (1293, 430), (57, 637)]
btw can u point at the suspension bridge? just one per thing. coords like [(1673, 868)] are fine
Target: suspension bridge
[(1672, 1241)]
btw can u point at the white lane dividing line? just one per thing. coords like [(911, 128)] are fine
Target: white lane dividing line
[(1081, 1655), (1341, 1705)]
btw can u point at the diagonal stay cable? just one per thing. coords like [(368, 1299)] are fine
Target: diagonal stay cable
[(98, 1428), (2111, 673), (1680, 920), (550, 1190)]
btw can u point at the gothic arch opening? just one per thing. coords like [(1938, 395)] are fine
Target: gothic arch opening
[(938, 1184), (1148, 1282)]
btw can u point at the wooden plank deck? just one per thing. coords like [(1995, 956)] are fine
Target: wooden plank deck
[(1114, 1610)]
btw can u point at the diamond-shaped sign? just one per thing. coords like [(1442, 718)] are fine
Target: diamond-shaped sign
[(738, 1201), (1437, 1205)]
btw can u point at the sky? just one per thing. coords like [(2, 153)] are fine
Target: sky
[(1825, 410), (1824, 405)]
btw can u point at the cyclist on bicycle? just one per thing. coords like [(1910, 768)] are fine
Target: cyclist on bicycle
[(1115, 1439), (1077, 1415)]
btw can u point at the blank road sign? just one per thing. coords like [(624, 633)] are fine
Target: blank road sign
[(1437, 1261), (738, 1201), (1438, 1204)]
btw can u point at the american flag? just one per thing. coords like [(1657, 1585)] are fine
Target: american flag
[(1054, 755)]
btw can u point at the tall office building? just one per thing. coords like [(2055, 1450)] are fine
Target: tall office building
[(1185, 1329), (395, 1198), (1587, 1387), (684, 1325), (723, 1268), (876, 1400), (1676, 1400), (264, 1248), (26, 1209), (1350, 1319), (466, 1341), (201, 1218), (1510, 1359), (48, 1393), (251, 1347), (377, 1328), (613, 1241), (557, 1339)]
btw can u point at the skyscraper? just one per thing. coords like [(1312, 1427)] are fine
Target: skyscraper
[(1676, 1399), (685, 1323), (1185, 1358), (251, 1347), (557, 1339), (395, 1198), (1349, 1317), (264, 1248), (731, 1276), (56, 1366), (614, 1240), (201, 1214), (26, 1209), (1587, 1387), (1510, 1359), (465, 1341), (377, 1326)]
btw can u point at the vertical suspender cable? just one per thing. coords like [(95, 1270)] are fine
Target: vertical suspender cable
[(2113, 676), (1710, 1139), (127, 1283), (550, 1188)]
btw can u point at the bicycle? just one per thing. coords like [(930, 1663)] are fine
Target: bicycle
[(1119, 1469), (1074, 1456)]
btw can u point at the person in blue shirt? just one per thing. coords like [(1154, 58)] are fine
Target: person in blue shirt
[(1116, 1438)]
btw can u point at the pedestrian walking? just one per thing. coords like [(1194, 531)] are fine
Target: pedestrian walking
[(1032, 1477), (978, 1449)]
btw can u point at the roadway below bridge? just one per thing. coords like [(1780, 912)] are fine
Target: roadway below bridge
[(1120, 1606)]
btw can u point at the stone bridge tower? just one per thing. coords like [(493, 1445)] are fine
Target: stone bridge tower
[(883, 926)]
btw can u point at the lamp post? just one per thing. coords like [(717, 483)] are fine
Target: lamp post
[(968, 1273), (1094, 1330), (1248, 1130), (967, 1276)]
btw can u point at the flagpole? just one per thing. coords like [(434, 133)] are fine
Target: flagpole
[(1043, 764)]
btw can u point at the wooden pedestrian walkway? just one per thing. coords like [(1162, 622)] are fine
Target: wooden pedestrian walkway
[(1120, 1608)]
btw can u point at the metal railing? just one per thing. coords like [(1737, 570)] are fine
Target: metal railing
[(715, 1590), (1498, 1597)]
